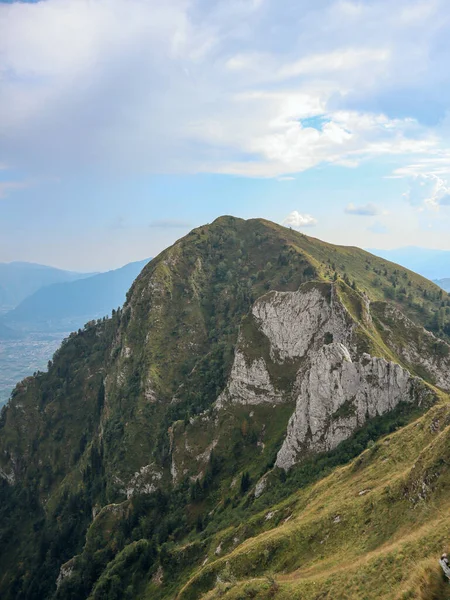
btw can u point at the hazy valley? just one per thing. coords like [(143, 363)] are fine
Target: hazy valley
[(24, 356), (31, 331)]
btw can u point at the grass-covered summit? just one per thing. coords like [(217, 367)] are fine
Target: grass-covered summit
[(134, 466)]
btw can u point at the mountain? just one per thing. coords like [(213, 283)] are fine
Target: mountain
[(30, 334), (443, 283), (433, 264), (266, 417), (68, 305), (8, 334), (20, 279)]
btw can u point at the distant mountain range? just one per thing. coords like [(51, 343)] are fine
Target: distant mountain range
[(443, 283), (7, 333), (69, 305), (20, 279), (433, 264), (32, 331)]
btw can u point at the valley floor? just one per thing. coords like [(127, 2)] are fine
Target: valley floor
[(21, 358)]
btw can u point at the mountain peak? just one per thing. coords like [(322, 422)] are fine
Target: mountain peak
[(245, 355)]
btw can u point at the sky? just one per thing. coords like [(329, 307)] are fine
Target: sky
[(126, 123)]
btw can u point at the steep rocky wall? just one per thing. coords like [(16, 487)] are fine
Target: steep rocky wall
[(312, 337), (296, 322), (249, 383), (336, 396), (286, 328)]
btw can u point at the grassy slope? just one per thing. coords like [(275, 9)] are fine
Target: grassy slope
[(372, 274), (364, 532)]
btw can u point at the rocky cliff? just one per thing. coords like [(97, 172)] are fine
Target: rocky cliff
[(336, 396), (304, 347), (243, 352)]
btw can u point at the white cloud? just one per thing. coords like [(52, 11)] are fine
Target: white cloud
[(348, 59), (256, 65), (428, 191), (297, 220), (189, 86), (435, 162), (365, 210)]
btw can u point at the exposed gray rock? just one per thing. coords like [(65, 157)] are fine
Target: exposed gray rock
[(144, 481), (158, 577), (295, 321), (249, 383), (204, 457), (149, 392), (9, 477), (335, 388), (260, 486), (294, 324), (65, 571), (336, 396)]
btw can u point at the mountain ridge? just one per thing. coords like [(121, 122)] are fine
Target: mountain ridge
[(132, 473), (69, 304), (20, 279)]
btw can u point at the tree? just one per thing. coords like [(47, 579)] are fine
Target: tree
[(245, 482), (100, 397)]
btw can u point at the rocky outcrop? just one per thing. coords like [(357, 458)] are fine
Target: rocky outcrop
[(336, 396), (260, 486), (249, 383), (336, 388), (9, 477), (66, 571), (144, 481), (292, 324), (295, 322)]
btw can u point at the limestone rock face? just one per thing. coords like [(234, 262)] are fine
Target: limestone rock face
[(294, 322), (65, 571), (249, 383), (144, 481), (336, 396), (308, 341)]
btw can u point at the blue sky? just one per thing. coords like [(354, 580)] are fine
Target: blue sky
[(124, 123)]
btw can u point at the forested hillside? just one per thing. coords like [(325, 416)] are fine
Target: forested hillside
[(266, 417)]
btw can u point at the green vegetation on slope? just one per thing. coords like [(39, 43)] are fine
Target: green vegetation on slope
[(419, 298), (366, 531), (117, 392)]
